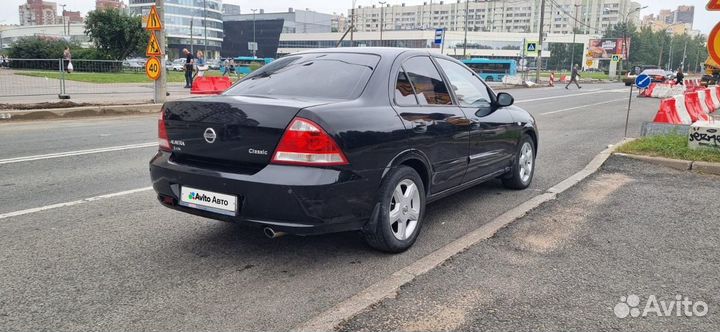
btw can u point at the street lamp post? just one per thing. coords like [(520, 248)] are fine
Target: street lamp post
[(63, 19), (205, 26), (254, 42), (467, 4), (572, 48), (192, 42), (382, 20)]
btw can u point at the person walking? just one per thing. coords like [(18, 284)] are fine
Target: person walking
[(679, 77), (573, 77), (200, 63), (226, 67), (189, 65), (552, 79), (67, 59)]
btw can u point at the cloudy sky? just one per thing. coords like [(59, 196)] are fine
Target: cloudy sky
[(704, 20)]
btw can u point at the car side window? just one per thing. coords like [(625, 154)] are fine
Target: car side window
[(469, 90), (427, 82), (404, 93)]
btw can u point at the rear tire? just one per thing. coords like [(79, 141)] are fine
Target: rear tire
[(401, 211), (523, 168)]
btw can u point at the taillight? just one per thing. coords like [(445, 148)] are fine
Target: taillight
[(163, 140), (306, 143)]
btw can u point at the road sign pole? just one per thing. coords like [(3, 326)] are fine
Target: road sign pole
[(161, 83), (627, 116)]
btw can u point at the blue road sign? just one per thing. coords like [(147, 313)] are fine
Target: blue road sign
[(642, 81), (438, 36)]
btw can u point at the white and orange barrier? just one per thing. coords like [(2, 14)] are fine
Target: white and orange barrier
[(662, 90), (689, 107)]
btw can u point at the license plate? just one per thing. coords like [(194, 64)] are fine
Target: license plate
[(208, 201)]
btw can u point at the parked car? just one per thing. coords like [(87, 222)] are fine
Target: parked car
[(213, 64), (371, 137), (176, 65), (629, 78)]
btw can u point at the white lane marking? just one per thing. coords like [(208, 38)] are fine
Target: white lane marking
[(589, 92), (77, 153), (582, 106), (66, 204)]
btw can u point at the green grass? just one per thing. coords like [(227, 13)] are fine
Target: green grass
[(107, 78), (669, 146)]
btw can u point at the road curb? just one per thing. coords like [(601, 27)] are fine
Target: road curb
[(388, 287), (679, 164), (82, 111)]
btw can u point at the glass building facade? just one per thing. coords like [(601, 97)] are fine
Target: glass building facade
[(185, 24)]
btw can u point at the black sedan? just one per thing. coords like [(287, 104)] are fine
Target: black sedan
[(346, 139)]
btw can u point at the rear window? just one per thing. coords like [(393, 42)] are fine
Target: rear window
[(314, 75)]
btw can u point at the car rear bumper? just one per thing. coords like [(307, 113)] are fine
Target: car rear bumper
[(292, 199)]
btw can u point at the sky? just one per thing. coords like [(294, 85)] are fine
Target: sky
[(704, 20)]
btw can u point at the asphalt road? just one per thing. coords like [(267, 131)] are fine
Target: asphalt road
[(631, 229), (126, 263)]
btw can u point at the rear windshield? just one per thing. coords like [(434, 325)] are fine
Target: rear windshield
[(314, 75)]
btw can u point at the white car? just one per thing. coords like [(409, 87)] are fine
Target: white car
[(176, 65)]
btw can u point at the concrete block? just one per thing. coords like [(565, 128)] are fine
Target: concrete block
[(704, 134), (657, 129)]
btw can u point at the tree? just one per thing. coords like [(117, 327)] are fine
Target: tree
[(115, 34)]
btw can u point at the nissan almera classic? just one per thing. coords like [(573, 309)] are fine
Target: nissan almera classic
[(335, 140)]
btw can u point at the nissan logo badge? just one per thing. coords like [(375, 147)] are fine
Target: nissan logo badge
[(209, 135)]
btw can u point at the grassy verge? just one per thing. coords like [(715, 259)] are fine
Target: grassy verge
[(668, 146), (106, 78)]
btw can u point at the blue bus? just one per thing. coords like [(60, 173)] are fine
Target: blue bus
[(242, 63), (492, 70)]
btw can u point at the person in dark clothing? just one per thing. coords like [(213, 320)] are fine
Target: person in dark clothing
[(573, 77), (679, 77), (189, 66)]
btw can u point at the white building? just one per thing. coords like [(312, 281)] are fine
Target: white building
[(561, 16), (76, 33), (507, 45)]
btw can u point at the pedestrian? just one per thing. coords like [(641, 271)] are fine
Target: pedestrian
[(552, 79), (67, 60), (573, 77), (200, 63), (189, 65), (226, 66), (679, 77)]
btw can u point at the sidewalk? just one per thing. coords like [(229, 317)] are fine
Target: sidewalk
[(572, 264)]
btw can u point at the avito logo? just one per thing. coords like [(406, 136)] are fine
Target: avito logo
[(202, 197)]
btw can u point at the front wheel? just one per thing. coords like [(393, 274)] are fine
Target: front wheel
[(523, 169), (401, 210)]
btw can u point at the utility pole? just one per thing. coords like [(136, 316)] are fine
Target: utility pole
[(382, 20), (352, 23), (254, 51), (161, 83), (669, 65), (662, 46), (63, 20), (682, 64), (572, 48), (467, 4), (538, 61), (192, 19), (205, 26)]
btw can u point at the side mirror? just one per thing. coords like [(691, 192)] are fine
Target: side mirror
[(504, 99)]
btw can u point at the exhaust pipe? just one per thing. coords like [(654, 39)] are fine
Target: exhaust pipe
[(272, 234)]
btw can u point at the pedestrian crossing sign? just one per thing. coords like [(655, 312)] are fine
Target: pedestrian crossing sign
[(531, 48)]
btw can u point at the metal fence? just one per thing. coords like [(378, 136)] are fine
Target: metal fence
[(108, 80)]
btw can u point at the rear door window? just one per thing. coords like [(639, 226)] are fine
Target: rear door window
[(312, 75), (404, 93), (425, 78)]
